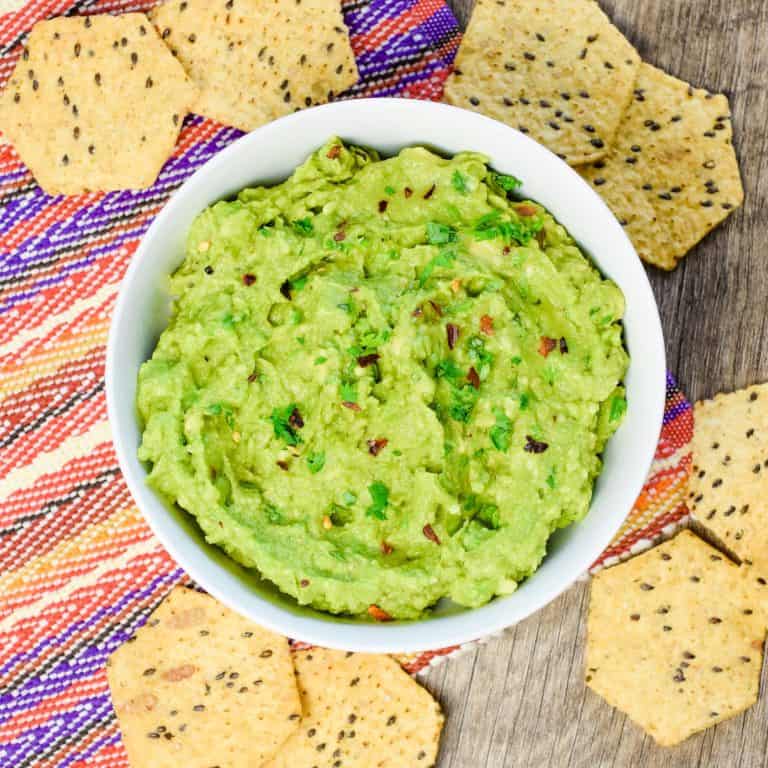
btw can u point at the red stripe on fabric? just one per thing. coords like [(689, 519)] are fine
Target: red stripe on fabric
[(112, 756), (651, 531), (423, 660), (42, 534), (398, 25), (80, 608), (32, 718), (76, 421), (675, 435), (55, 578), (57, 483)]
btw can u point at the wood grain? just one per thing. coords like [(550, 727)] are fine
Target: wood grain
[(519, 699)]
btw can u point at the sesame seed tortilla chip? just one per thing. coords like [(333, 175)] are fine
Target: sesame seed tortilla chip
[(557, 70), (201, 686), (255, 62), (672, 174), (95, 103), (360, 711), (728, 486), (674, 638)]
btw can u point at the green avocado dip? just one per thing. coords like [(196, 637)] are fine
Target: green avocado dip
[(384, 382)]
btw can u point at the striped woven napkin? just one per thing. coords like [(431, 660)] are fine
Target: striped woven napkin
[(79, 569)]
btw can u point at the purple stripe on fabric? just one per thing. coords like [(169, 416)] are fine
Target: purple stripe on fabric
[(360, 21), (112, 737), (33, 653), (83, 715), (673, 411)]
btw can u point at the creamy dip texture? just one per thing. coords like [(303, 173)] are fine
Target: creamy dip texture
[(384, 382)]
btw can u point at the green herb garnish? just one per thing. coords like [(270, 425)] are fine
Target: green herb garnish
[(443, 259), (389, 190), (320, 360), (506, 182), (349, 498), (379, 500), (618, 408), (459, 183), (440, 234), (316, 461), (303, 227), (283, 420), (500, 433)]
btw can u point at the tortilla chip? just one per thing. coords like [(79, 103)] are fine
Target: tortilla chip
[(728, 487), (674, 639), (95, 103), (200, 686), (672, 174), (255, 62), (557, 70), (360, 711)]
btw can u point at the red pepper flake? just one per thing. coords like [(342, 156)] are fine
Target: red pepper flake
[(526, 210), (377, 613), (283, 465), (429, 192), (377, 445), (486, 325), (418, 312), (563, 346), (340, 235), (383, 206), (506, 249), (541, 237), (253, 377), (249, 279), (452, 332), (429, 532), (351, 406), (334, 152), (438, 309), (365, 360), (304, 583), (295, 419), (386, 549), (473, 378), (535, 446), (407, 191), (546, 345)]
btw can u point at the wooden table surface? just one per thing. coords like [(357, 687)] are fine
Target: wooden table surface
[(520, 699)]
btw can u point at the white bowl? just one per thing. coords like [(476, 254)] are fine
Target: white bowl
[(270, 154)]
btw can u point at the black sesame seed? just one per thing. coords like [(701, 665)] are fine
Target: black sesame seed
[(584, 94), (17, 97), (311, 732), (522, 129), (675, 118), (717, 669), (166, 33), (149, 83), (320, 747), (589, 128), (265, 654), (544, 103), (65, 159), (209, 271), (630, 160), (726, 206), (675, 190), (597, 143), (550, 63), (591, 38), (553, 125), (666, 556), (599, 181), (608, 65), (583, 54), (507, 101), (715, 620), (665, 196), (667, 628), (351, 719), (474, 101), (540, 37), (153, 735), (709, 134), (634, 616), (199, 707), (175, 119), (391, 720), (287, 97), (97, 78), (78, 48), (509, 67), (529, 56), (35, 85)]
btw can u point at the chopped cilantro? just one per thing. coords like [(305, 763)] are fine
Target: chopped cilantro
[(349, 498), (303, 227), (500, 433), (440, 234), (389, 190), (316, 461), (506, 182), (348, 390), (479, 355), (214, 409), (284, 430), (516, 360), (447, 369), (618, 408), (551, 480), (463, 403), (488, 515), (459, 183), (397, 452), (320, 360), (524, 400), (273, 515), (491, 226), (379, 500), (228, 321), (266, 230), (297, 284), (443, 259), (300, 339)]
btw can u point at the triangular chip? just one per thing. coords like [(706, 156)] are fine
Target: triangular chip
[(675, 638), (728, 487), (256, 61), (671, 175), (360, 711), (200, 686), (557, 70), (95, 103)]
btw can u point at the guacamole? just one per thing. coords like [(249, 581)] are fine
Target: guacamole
[(384, 382)]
